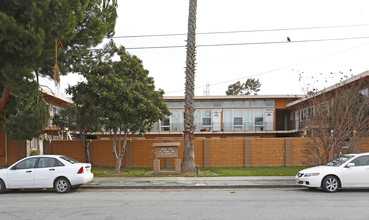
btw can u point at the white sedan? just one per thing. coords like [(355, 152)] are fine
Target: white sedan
[(47, 171), (350, 170)]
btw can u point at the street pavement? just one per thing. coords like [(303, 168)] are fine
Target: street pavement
[(191, 182)]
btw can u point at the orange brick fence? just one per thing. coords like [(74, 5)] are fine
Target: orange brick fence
[(208, 152)]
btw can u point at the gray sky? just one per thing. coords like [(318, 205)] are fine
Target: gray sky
[(283, 67)]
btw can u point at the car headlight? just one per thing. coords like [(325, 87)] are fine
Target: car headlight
[(311, 174)]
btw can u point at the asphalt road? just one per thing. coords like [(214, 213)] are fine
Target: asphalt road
[(294, 203)]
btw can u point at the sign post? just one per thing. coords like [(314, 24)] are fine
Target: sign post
[(167, 150)]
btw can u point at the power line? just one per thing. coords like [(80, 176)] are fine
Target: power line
[(228, 32), (274, 70), (234, 44)]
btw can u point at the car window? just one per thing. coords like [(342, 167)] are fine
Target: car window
[(48, 162), (339, 161), (70, 160), (361, 161), (27, 164)]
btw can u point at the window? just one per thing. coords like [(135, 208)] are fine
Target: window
[(237, 103), (176, 122), (197, 119), (269, 103), (259, 120), (249, 119), (259, 103), (206, 120), (237, 120), (228, 104), (306, 113), (217, 104), (56, 110), (197, 104), (26, 164), (361, 161), (248, 103), (49, 162), (227, 120), (206, 104), (168, 104), (177, 105), (165, 125), (34, 144), (70, 160)]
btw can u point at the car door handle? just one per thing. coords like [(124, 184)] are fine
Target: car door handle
[(51, 169), (29, 171)]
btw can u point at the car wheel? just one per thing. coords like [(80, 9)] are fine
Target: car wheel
[(330, 184), (2, 186), (62, 185)]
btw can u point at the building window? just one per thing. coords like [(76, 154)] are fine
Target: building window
[(206, 120), (238, 104), (227, 120), (269, 103), (165, 125), (228, 104), (306, 114), (177, 105), (259, 120), (197, 104), (248, 103), (249, 120), (259, 103), (206, 104), (217, 104), (237, 120)]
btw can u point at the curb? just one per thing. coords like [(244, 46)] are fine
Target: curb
[(193, 187)]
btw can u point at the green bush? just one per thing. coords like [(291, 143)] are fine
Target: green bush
[(34, 152)]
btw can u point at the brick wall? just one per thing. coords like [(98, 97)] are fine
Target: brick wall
[(208, 152)]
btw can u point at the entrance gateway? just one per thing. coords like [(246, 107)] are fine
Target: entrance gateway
[(167, 150)]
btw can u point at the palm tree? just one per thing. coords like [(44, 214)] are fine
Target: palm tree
[(188, 164)]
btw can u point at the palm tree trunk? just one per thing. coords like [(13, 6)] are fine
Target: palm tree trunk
[(188, 164)]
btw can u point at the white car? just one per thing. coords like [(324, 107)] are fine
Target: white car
[(350, 170), (46, 171)]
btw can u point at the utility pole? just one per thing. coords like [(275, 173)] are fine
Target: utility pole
[(188, 164)]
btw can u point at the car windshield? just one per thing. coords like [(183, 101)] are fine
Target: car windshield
[(70, 160), (339, 161)]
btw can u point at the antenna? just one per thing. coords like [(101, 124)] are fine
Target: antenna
[(207, 89)]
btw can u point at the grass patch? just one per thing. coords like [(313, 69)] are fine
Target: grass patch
[(256, 171), (203, 172)]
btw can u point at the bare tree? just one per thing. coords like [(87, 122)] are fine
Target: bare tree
[(188, 164), (336, 121)]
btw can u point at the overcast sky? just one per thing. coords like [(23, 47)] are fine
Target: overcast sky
[(283, 67)]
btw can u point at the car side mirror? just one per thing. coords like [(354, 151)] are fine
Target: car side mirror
[(13, 168), (350, 165)]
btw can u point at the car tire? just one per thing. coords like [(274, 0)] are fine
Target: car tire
[(2, 186), (330, 184), (62, 185)]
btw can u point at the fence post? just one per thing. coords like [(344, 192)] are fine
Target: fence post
[(207, 152), (288, 152), (247, 152)]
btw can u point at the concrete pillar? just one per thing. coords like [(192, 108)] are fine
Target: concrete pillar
[(247, 152), (206, 152), (288, 152), (177, 169), (156, 166)]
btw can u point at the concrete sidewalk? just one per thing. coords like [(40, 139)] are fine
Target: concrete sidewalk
[(191, 182)]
